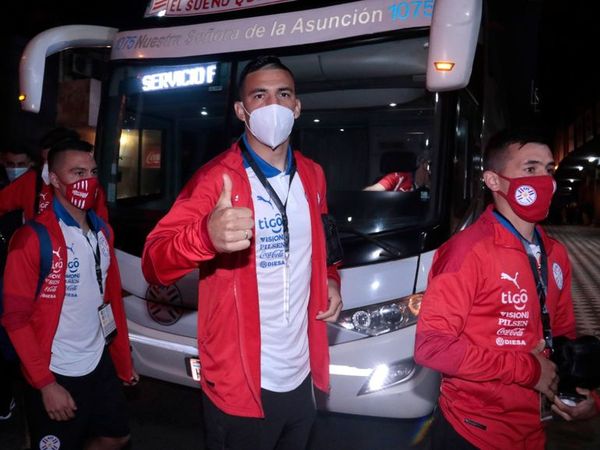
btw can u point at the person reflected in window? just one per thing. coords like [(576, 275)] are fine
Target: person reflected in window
[(407, 181)]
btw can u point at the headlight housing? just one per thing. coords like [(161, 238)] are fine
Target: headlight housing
[(381, 318)]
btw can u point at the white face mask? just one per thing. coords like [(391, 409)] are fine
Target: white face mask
[(271, 124), (15, 172)]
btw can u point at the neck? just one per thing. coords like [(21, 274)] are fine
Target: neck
[(79, 215), (526, 229), (275, 156)]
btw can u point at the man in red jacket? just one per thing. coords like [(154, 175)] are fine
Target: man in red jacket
[(69, 328), (31, 192), (497, 293), (250, 220)]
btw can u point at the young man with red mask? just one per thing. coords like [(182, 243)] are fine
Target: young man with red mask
[(498, 291), (250, 220), (69, 328)]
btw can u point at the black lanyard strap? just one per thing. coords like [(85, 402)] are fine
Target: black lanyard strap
[(263, 180), (539, 269), (97, 261)]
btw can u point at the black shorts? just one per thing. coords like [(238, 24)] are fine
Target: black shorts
[(101, 410), (289, 417)]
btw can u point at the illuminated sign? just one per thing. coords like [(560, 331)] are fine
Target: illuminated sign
[(190, 76)]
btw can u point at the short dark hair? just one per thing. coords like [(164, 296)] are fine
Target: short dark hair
[(259, 63), (64, 146), (494, 157), (20, 149), (56, 135)]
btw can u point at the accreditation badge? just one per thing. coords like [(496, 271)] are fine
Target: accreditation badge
[(107, 322)]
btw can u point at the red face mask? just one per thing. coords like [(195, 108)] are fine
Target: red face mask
[(82, 194), (530, 197)]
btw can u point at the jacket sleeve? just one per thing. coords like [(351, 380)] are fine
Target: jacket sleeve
[(180, 240), (439, 342), (12, 195), (119, 349), (332, 271), (20, 282), (563, 319)]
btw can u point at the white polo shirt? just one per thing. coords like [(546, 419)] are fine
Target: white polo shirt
[(78, 343), (283, 322)]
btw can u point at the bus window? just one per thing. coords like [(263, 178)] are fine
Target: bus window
[(139, 163)]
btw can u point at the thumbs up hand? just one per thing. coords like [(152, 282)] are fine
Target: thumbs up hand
[(229, 227)]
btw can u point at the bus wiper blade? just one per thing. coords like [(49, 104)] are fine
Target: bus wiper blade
[(394, 251)]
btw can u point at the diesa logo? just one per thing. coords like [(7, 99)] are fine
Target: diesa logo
[(517, 299)]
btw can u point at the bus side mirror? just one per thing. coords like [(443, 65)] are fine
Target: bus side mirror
[(452, 43)]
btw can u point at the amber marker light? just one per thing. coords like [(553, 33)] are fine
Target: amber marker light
[(444, 66), (22, 97)]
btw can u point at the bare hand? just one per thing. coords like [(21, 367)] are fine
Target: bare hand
[(133, 380), (229, 228), (585, 409), (548, 382), (58, 402), (335, 303)]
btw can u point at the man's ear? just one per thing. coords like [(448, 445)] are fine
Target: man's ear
[(491, 180), (53, 178), (297, 108), (238, 107)]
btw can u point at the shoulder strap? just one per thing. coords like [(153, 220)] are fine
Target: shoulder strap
[(45, 252)]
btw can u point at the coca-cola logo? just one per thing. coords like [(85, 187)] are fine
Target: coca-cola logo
[(152, 160), (511, 332)]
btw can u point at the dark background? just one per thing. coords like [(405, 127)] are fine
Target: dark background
[(544, 55)]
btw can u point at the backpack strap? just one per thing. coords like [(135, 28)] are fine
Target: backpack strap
[(45, 252)]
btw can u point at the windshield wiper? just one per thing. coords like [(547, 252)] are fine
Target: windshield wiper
[(394, 251)]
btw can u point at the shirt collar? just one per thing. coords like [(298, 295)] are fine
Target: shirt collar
[(267, 169), (62, 214)]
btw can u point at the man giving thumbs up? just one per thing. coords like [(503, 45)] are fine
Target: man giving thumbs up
[(250, 221)]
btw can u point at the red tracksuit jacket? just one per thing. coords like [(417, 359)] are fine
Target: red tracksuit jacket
[(228, 311), (31, 322), (479, 321)]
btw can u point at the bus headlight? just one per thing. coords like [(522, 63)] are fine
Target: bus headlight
[(385, 376), (381, 318)]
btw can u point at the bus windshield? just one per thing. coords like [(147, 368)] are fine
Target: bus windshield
[(366, 118)]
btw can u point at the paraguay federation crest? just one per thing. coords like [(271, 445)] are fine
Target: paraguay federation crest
[(525, 195), (558, 275), (49, 442)]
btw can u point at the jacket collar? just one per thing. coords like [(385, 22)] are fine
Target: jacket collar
[(267, 169), (505, 238), (62, 214)]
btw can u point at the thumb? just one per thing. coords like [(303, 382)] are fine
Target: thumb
[(539, 348), (225, 197)]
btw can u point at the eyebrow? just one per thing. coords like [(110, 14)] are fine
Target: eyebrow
[(535, 161), (262, 89)]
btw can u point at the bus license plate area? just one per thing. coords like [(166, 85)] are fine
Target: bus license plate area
[(192, 367)]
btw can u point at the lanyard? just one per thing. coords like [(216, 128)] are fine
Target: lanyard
[(263, 180), (97, 261), (539, 269)]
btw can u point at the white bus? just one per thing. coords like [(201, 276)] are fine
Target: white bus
[(384, 89)]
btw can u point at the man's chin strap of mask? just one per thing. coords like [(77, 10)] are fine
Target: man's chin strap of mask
[(271, 124)]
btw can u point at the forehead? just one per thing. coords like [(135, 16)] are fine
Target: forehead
[(531, 151), (71, 159), (15, 156), (265, 78)]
